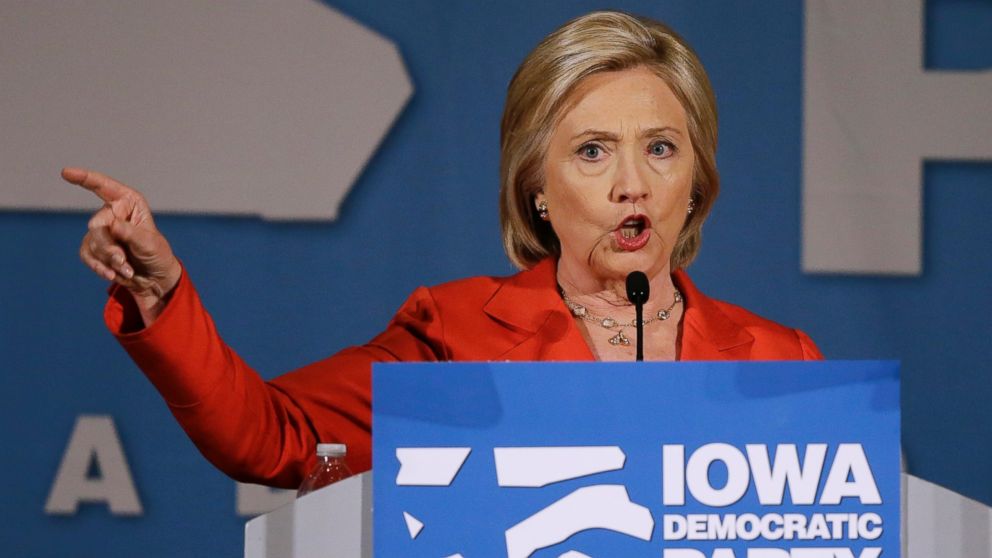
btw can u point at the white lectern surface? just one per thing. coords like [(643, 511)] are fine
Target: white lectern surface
[(335, 521), (943, 524)]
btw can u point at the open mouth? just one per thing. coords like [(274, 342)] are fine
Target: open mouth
[(633, 226), (633, 233)]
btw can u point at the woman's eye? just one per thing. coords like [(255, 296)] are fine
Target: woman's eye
[(591, 151), (661, 149)]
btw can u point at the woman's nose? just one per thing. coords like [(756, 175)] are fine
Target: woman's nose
[(630, 185)]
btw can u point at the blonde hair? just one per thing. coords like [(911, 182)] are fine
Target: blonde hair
[(536, 100)]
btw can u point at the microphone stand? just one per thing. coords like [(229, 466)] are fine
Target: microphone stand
[(639, 309), (638, 290)]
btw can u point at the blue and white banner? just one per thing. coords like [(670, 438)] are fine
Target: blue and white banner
[(680, 460)]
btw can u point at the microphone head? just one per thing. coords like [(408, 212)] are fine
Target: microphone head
[(638, 287)]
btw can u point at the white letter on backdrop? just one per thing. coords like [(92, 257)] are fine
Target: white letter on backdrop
[(872, 115), (94, 438)]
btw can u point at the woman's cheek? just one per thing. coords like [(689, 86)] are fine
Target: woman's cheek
[(587, 170)]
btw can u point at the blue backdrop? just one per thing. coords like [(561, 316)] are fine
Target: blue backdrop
[(425, 211)]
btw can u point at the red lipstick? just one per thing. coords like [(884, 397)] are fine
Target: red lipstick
[(633, 233)]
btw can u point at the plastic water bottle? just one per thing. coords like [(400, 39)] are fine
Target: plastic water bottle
[(330, 468)]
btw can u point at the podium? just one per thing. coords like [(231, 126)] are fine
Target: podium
[(681, 460), (936, 522), (333, 521)]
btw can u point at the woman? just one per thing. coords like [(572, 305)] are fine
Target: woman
[(608, 166)]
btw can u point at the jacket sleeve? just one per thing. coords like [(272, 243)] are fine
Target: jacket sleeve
[(258, 431), (809, 348)]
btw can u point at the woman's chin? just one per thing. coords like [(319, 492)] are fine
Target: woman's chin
[(619, 263)]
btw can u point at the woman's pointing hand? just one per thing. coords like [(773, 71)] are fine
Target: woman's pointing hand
[(123, 245)]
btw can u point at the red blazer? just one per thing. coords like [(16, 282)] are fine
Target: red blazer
[(265, 432)]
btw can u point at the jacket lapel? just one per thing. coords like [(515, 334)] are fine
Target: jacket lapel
[(707, 332), (529, 302)]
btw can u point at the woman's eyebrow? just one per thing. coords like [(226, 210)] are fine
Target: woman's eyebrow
[(597, 133), (611, 136), (660, 130)]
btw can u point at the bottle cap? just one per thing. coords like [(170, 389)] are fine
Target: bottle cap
[(331, 450)]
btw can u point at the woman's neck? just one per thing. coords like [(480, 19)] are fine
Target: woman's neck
[(608, 295)]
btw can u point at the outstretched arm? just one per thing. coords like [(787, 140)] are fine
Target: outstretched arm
[(251, 429)]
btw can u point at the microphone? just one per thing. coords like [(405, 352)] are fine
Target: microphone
[(638, 290)]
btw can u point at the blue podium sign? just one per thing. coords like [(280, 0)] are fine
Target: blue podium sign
[(673, 460)]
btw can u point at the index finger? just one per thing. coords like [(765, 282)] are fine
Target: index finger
[(106, 188)]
